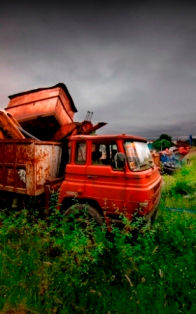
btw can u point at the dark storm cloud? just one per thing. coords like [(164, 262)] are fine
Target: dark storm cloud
[(132, 65)]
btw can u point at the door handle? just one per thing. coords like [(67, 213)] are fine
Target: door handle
[(92, 177)]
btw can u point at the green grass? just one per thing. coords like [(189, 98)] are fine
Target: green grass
[(179, 190), (46, 266)]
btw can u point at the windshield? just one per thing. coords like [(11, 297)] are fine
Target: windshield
[(138, 155)]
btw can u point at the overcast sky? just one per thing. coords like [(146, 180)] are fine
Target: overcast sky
[(133, 65)]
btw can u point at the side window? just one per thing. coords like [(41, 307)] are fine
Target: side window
[(80, 156), (113, 151), (104, 154), (96, 154)]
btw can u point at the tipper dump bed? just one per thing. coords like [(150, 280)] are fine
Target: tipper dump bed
[(25, 165), (41, 112), (30, 129)]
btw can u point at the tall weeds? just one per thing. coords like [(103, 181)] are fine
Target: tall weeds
[(50, 266)]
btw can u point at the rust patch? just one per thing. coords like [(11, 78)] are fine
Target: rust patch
[(25, 165)]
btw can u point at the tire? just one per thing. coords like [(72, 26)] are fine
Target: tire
[(83, 213)]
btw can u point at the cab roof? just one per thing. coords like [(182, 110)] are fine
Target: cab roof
[(108, 137)]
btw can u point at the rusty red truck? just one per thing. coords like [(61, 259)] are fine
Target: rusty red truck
[(107, 174)]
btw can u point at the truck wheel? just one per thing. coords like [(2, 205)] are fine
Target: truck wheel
[(84, 213)]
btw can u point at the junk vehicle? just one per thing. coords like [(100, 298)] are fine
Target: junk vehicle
[(43, 150), (171, 160)]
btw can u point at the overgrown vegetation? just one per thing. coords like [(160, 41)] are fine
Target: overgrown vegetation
[(50, 266), (179, 190)]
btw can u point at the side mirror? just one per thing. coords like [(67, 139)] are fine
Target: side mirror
[(119, 160)]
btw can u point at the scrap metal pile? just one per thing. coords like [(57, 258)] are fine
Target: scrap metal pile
[(170, 159)]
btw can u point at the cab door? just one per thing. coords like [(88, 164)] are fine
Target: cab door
[(105, 183), (76, 177)]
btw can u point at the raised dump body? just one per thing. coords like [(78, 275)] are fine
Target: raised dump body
[(42, 111), (25, 165)]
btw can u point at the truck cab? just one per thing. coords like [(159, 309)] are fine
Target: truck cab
[(113, 174)]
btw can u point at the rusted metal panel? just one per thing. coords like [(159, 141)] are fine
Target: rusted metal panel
[(74, 128), (9, 127), (26, 165), (47, 163), (51, 107)]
